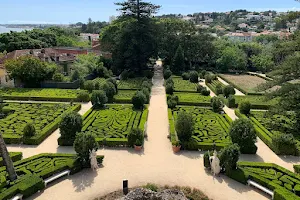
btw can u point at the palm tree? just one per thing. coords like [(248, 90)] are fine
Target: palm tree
[(7, 160)]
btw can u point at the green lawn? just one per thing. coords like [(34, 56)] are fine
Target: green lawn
[(192, 99), (132, 83), (181, 85)]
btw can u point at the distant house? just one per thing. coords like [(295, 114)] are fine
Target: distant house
[(89, 36), (242, 37), (253, 18), (243, 25)]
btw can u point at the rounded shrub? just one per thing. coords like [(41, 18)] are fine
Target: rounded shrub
[(170, 89), (29, 130), (184, 126), (208, 78), (89, 85), (170, 81), (284, 144), (97, 86), (148, 73), (138, 100), (219, 89), (231, 101), (243, 133), (83, 96), (216, 104), (99, 98), (101, 71), (85, 143), (200, 88), (202, 74), (245, 107), (125, 75), (146, 93), (146, 85), (172, 103), (58, 77), (228, 90), (194, 77), (135, 134), (75, 75), (167, 74), (113, 81), (70, 125), (205, 92), (109, 90), (185, 76), (229, 157)]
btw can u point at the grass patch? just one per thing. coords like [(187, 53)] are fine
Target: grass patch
[(124, 96), (181, 85), (132, 83), (192, 99)]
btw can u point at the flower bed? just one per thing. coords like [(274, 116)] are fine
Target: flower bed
[(284, 183), (40, 94), (192, 99), (31, 172), (112, 124), (181, 85), (210, 128), (45, 117)]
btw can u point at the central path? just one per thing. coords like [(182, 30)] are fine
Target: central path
[(156, 164)]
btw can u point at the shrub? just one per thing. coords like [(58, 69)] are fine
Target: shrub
[(167, 74), (89, 86), (185, 76), (205, 92), (70, 124), (245, 107), (84, 143), (146, 85), (83, 96), (208, 78), (75, 75), (170, 81), (148, 73), (214, 77), (101, 71), (200, 88), (134, 135), (151, 186), (229, 157), (109, 90), (219, 89), (147, 94), (206, 161), (284, 144), (97, 86), (202, 74), (176, 143), (138, 100), (184, 126), (99, 98), (242, 132), (29, 130), (58, 77), (172, 103), (138, 143), (169, 89), (194, 78), (131, 74), (124, 75), (216, 104), (228, 90), (113, 81), (231, 101)]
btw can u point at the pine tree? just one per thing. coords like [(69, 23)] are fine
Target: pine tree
[(178, 63)]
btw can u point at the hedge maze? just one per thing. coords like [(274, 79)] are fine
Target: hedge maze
[(210, 128), (284, 183), (214, 84), (257, 101), (124, 96), (44, 117), (131, 84), (112, 124), (192, 99)]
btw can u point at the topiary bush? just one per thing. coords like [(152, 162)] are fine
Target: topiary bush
[(134, 135), (200, 88), (97, 86), (185, 76), (109, 90), (75, 75), (172, 103), (69, 126), (138, 100), (29, 130), (231, 101), (102, 71), (184, 126), (208, 79), (229, 157), (202, 74), (216, 104), (58, 77), (167, 74), (169, 89), (243, 133), (219, 89), (89, 86), (205, 92), (194, 77), (124, 75), (228, 90), (284, 144), (99, 98), (83, 96), (113, 81), (84, 143), (146, 85), (146, 93), (245, 107)]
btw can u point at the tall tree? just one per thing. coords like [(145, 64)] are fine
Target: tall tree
[(178, 63), (7, 160)]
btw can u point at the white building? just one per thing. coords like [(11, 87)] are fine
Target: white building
[(89, 36), (242, 37)]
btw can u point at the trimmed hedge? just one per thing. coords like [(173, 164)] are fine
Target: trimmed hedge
[(181, 85), (214, 84), (206, 122), (14, 135), (283, 182), (15, 156), (192, 99)]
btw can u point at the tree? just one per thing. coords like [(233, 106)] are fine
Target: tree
[(245, 107), (58, 77), (216, 104), (194, 77), (263, 63), (99, 98), (242, 132), (229, 157), (109, 90), (7, 160), (89, 85), (70, 125), (84, 144), (29, 130), (135, 134), (232, 58), (228, 90), (138, 100), (29, 70), (178, 62), (184, 126)]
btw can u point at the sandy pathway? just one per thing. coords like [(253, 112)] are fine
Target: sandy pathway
[(156, 164)]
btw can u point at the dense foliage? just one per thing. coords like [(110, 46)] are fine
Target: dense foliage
[(70, 125), (229, 157), (84, 144), (184, 126)]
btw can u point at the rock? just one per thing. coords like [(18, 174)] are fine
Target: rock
[(145, 194)]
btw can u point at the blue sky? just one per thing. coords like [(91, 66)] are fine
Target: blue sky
[(70, 11)]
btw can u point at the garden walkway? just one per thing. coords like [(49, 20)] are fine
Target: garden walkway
[(156, 164)]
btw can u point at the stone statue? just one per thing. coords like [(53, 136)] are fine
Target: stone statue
[(93, 159), (215, 163)]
